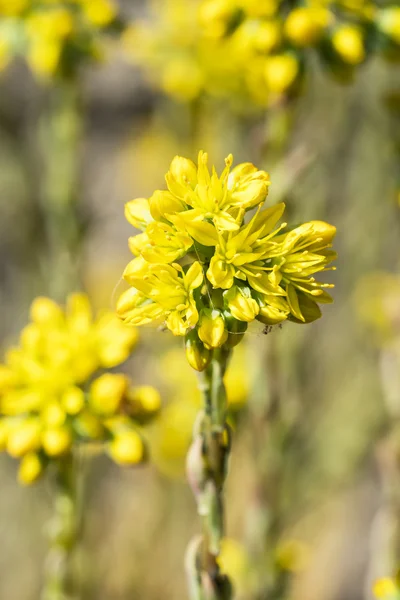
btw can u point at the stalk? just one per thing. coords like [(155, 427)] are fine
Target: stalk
[(207, 467), (62, 535)]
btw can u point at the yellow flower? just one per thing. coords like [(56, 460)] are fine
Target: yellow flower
[(281, 72), (208, 197), (239, 254), (170, 291), (253, 270), (348, 42), (49, 401), (160, 244), (127, 448), (305, 251)]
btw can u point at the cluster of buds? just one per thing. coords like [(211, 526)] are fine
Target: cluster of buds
[(206, 272), (250, 51), (55, 395), (54, 36)]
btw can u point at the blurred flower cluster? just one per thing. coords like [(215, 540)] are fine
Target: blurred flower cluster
[(247, 51), (54, 35), (230, 272), (54, 393)]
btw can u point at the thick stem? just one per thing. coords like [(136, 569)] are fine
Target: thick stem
[(62, 534), (207, 465)]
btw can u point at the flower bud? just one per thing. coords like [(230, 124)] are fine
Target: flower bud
[(56, 441), (30, 469), (24, 437), (137, 213), (197, 355), (280, 72), (348, 42), (163, 203), (212, 328), (73, 400), (106, 393), (241, 304), (144, 402), (46, 312), (127, 448)]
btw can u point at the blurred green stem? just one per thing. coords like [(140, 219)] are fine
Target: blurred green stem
[(62, 534), (207, 466), (60, 140)]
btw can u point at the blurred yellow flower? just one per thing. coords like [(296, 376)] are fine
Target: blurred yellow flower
[(386, 588), (50, 397), (348, 42)]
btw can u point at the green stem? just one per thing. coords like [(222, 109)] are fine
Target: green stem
[(207, 466), (62, 535), (60, 132)]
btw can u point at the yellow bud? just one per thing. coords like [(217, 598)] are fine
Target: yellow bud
[(197, 355), (267, 36), (53, 415), (280, 72), (163, 203), (385, 588), (137, 213), (127, 448), (56, 441), (30, 469), (304, 25), (389, 23), (73, 400), (31, 337), (212, 328), (147, 397), (46, 312), (44, 56), (100, 12), (183, 79), (107, 392), (348, 42), (24, 437), (241, 305)]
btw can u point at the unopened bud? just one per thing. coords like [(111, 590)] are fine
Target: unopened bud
[(30, 469), (212, 328), (197, 355), (127, 448)]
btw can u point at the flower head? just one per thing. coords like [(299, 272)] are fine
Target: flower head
[(205, 270), (52, 395)]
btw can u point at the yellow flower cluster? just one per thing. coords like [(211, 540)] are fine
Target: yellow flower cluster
[(231, 271), (251, 51), (54, 392), (54, 35)]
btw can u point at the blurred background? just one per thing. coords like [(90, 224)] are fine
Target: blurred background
[(93, 108)]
